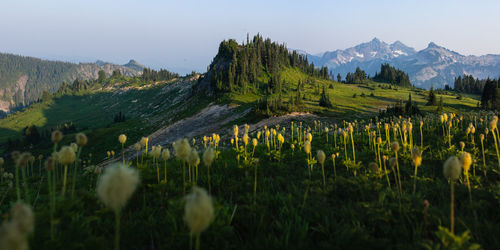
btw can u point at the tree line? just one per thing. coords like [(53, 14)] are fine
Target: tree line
[(468, 84), (392, 75)]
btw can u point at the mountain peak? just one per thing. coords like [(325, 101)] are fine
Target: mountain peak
[(433, 45), (375, 40), (134, 64)]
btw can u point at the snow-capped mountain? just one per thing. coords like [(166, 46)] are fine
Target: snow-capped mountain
[(434, 65)]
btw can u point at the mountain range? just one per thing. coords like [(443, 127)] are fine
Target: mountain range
[(433, 66), (23, 79)]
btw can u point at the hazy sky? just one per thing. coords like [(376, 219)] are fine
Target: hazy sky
[(184, 35)]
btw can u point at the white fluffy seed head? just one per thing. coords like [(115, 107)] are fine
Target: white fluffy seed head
[(193, 158), (395, 146), (56, 136), (182, 149), (199, 210), (165, 154), (116, 185), (208, 156), (67, 155), (81, 139), (321, 156), (23, 217), (452, 168)]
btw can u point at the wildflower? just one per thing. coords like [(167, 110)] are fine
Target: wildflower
[(452, 168), (309, 137), (56, 136), (137, 146), (245, 139), (182, 149), (208, 156), (144, 141), (235, 131), (373, 166), (254, 142), (199, 210), (74, 146), (67, 155), (307, 147), (416, 156), (122, 138), (49, 163), (462, 145), (114, 189), (13, 233), (81, 139), (165, 154), (23, 159), (493, 124), (321, 156), (395, 146), (193, 158), (466, 160)]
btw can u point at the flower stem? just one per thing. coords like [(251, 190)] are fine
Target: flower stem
[(117, 230)]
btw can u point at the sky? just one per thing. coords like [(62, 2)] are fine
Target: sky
[(184, 35)]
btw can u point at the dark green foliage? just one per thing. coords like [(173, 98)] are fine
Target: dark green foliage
[(439, 109), (161, 75), (431, 97), (359, 76), (467, 84), (101, 76), (324, 100), (120, 117), (339, 78), (399, 109), (392, 75), (490, 98)]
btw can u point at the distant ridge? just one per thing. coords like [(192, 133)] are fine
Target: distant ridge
[(434, 65), (23, 78)]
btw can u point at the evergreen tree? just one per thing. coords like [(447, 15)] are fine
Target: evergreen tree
[(324, 100), (101, 76), (431, 98), (339, 78)]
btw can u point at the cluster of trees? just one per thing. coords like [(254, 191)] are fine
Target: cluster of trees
[(239, 66), (161, 75), (324, 100), (490, 98), (407, 108), (467, 84), (392, 75), (120, 117), (359, 76)]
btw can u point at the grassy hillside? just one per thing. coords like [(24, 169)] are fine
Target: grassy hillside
[(146, 108), (345, 106)]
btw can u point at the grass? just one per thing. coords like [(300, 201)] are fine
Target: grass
[(289, 209), (146, 110), (345, 106)]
